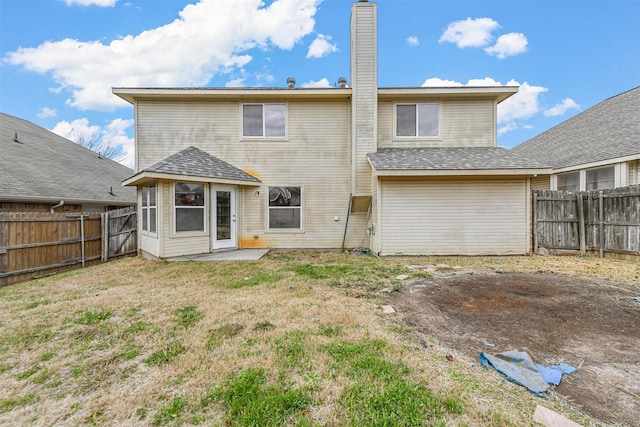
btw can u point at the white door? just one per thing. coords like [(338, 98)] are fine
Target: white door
[(223, 217)]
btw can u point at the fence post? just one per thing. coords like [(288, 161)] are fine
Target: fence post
[(581, 226), (104, 222), (601, 221)]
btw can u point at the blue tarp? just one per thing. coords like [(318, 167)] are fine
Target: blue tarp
[(519, 368)]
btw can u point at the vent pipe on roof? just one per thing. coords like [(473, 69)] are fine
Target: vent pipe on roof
[(342, 82), (15, 139), (291, 82)]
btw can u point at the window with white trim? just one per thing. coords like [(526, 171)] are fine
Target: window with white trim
[(568, 181), (149, 209), (264, 120), (189, 207), (418, 120), (601, 178), (285, 208)]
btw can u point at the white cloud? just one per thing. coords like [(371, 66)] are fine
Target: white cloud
[(508, 45), (47, 112), (321, 46), (508, 127), (470, 32), (239, 82), (413, 41), (322, 83), (436, 82), (101, 3), (209, 37), (113, 134), (561, 108)]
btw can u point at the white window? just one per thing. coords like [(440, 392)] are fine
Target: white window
[(263, 120), (285, 208), (569, 181), (148, 212), (600, 178), (189, 207), (418, 120)]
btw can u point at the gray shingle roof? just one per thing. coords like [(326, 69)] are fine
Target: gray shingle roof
[(194, 162), (450, 158), (43, 166), (608, 130)]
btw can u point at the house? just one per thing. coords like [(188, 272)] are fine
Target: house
[(596, 149), (397, 170), (43, 172)]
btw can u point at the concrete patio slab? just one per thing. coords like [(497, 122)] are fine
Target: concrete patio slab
[(237, 255)]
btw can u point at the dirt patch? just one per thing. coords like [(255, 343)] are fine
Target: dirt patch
[(592, 324)]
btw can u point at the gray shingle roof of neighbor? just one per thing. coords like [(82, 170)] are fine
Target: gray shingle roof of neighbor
[(608, 130), (194, 162), (450, 158), (44, 167)]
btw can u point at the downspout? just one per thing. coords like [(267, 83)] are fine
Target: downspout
[(60, 203)]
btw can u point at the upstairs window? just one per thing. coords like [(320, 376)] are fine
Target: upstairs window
[(149, 208), (263, 120), (285, 208), (418, 120), (189, 207)]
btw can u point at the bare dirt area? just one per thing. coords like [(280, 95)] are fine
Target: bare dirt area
[(590, 323)]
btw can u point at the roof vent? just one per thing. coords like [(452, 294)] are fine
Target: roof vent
[(342, 82), (291, 82), (15, 139)]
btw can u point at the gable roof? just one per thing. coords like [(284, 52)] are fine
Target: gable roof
[(606, 131), (193, 162), (44, 167), (438, 160)]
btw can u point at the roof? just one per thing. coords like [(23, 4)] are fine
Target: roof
[(609, 130), (455, 160), (44, 167), (193, 162), (129, 94)]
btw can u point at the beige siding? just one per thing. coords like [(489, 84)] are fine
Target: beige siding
[(541, 182), (462, 217), (315, 155), (364, 81), (633, 170), (469, 123)]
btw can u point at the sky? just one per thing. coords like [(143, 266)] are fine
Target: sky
[(59, 59)]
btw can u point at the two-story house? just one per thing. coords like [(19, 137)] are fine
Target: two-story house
[(397, 170)]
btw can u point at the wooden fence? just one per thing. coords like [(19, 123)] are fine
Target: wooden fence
[(36, 244), (602, 222)]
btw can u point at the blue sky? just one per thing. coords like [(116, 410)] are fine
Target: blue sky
[(60, 58)]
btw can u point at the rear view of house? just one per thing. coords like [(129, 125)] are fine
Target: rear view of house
[(398, 170)]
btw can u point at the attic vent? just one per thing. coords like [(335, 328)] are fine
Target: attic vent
[(15, 139), (342, 82), (291, 82)]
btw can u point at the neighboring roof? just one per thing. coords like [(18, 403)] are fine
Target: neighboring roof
[(454, 160), (193, 162), (43, 167), (609, 130)]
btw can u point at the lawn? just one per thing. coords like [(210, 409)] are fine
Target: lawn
[(296, 338)]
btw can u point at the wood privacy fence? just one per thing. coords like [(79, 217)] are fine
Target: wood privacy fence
[(36, 244), (604, 222)]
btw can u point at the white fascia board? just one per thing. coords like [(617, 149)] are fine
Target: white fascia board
[(144, 177), (598, 164), (462, 172)]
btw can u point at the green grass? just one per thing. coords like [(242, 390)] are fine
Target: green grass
[(166, 354), (171, 411), (11, 403), (249, 401), (89, 317), (188, 316)]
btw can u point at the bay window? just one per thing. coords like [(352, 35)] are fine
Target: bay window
[(149, 209), (189, 207)]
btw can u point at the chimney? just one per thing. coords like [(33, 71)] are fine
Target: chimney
[(291, 82), (364, 87)]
